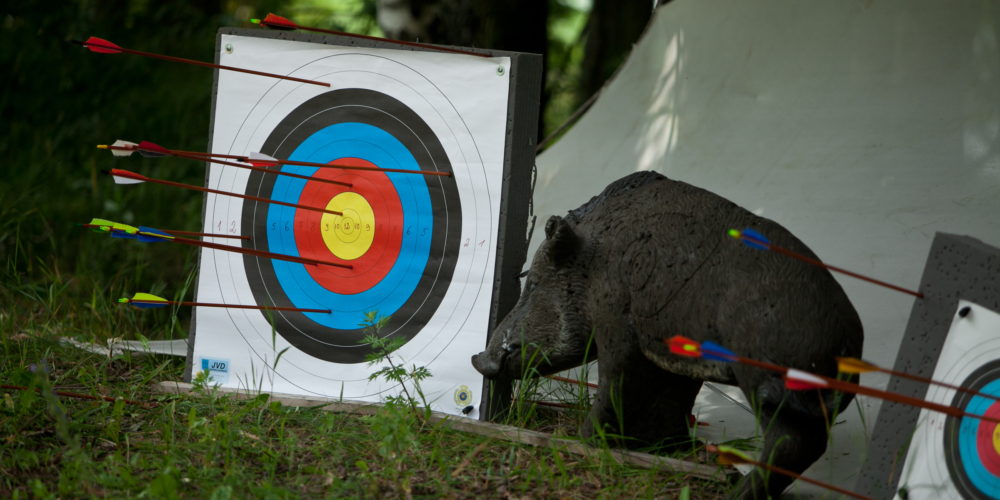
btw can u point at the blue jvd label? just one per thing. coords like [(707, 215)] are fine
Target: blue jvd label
[(217, 368)]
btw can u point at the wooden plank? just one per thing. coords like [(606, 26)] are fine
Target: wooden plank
[(488, 429)]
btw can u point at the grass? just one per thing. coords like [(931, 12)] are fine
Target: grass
[(215, 446)]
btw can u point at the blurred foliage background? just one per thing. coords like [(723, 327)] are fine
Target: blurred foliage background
[(59, 101)]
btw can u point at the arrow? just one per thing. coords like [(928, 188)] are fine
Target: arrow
[(731, 456), (280, 23), (149, 301), (125, 148), (262, 160), (151, 235), (81, 396), (105, 47), (856, 366), (757, 241), (150, 150), (798, 380), (126, 177), (96, 227)]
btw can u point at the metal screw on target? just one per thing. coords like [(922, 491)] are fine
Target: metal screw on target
[(229, 48), (500, 71)]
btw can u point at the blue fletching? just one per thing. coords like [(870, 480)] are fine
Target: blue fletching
[(147, 305), (152, 239), (757, 236), (121, 234), (715, 352)]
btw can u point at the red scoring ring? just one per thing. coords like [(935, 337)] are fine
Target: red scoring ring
[(372, 267), (984, 441)]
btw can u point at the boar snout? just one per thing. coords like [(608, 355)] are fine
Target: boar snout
[(486, 365)]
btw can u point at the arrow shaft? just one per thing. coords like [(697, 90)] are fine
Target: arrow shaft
[(74, 395), (200, 156), (229, 306), (815, 262), (352, 167), (397, 42), (258, 253), (220, 66), (925, 380), (244, 196), (184, 233), (207, 235), (839, 385), (259, 169), (785, 472)]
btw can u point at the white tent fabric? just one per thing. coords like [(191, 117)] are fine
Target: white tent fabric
[(862, 126)]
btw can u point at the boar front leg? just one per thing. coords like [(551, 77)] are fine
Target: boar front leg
[(654, 405)]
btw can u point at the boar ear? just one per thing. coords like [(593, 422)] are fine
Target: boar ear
[(562, 240)]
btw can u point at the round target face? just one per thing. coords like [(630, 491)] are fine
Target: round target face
[(972, 446), (399, 232), (414, 246)]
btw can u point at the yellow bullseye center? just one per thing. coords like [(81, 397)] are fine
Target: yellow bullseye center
[(996, 439), (350, 235)]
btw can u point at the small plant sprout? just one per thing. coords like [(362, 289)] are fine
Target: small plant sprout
[(382, 349)]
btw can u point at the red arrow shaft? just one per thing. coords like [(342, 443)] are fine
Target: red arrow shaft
[(219, 66), (185, 233), (785, 472), (384, 40), (839, 385), (244, 196), (257, 253), (258, 169), (229, 306), (352, 167), (815, 262)]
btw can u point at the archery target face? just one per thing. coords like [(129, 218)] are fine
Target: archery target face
[(952, 457), (422, 248)]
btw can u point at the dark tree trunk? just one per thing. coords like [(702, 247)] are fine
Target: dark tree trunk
[(614, 26), (516, 25)]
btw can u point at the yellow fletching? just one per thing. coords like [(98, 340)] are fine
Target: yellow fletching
[(148, 297), (854, 366)]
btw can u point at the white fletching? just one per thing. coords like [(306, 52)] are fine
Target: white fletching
[(126, 180), (262, 158), (123, 144), (805, 377)]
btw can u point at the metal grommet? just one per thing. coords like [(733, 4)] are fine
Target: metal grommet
[(229, 48), (501, 70)]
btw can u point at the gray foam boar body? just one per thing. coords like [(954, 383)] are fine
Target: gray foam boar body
[(650, 258)]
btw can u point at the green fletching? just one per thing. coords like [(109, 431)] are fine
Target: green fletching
[(125, 227), (105, 225), (729, 449), (147, 297)]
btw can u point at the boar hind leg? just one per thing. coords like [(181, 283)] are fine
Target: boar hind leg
[(792, 441), (654, 405)]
